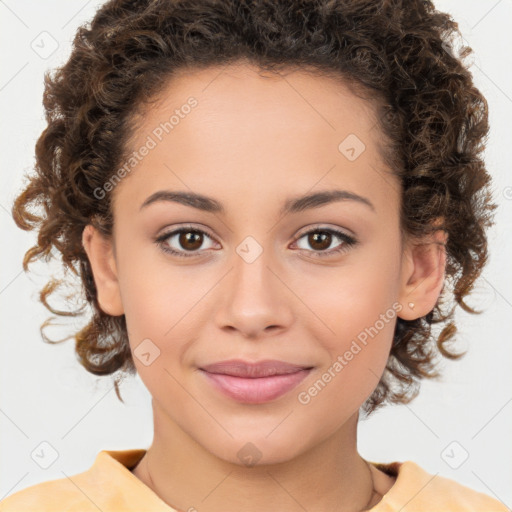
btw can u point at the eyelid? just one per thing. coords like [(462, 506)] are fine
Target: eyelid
[(324, 227), (192, 227)]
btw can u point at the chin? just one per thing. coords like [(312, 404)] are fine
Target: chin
[(258, 449)]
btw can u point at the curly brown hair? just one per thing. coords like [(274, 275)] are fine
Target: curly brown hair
[(398, 55)]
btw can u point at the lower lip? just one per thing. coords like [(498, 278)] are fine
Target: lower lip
[(256, 390)]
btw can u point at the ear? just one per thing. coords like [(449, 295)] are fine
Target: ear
[(102, 259), (423, 273)]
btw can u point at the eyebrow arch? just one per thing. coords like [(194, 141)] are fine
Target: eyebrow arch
[(317, 199), (292, 205)]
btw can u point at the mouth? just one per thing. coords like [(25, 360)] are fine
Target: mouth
[(254, 383)]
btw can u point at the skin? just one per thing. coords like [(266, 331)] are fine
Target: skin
[(251, 143)]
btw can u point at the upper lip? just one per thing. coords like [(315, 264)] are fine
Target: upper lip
[(240, 368)]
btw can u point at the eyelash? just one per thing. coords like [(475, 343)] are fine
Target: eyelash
[(349, 241)]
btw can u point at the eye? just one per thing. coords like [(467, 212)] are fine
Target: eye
[(188, 237), (321, 238)]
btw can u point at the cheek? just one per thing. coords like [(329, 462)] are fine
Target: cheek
[(356, 313), (155, 292), (356, 354), (353, 299), (162, 310)]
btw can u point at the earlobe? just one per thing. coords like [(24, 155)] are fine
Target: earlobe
[(101, 257), (423, 273)]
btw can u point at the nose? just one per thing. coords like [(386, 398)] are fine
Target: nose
[(253, 297)]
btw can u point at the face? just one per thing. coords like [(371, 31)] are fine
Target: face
[(319, 285)]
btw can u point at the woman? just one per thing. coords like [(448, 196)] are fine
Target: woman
[(264, 201)]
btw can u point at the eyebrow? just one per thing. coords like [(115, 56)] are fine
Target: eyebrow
[(292, 205)]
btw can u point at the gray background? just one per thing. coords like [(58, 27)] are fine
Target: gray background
[(47, 397)]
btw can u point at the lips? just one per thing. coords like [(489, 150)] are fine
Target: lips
[(254, 383), (245, 369)]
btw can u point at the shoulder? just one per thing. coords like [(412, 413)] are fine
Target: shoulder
[(52, 495), (108, 485), (419, 490), (452, 493)]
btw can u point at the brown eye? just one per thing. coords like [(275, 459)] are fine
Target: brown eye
[(190, 240), (320, 239), (185, 240)]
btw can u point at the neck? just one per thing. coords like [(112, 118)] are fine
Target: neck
[(331, 476)]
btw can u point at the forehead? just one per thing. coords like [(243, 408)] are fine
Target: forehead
[(253, 130), (244, 94)]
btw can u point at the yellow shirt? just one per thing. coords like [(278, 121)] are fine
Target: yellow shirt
[(109, 486)]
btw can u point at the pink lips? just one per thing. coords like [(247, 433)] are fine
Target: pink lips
[(255, 382)]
